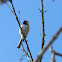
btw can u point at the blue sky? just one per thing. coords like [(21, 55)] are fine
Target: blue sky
[(9, 29)]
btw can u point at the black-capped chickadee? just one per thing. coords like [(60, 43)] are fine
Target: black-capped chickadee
[(24, 32)]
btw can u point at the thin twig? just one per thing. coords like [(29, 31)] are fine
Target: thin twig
[(3, 1), (15, 14), (53, 54), (19, 16), (43, 33), (21, 29), (58, 54), (29, 50), (26, 53), (10, 9), (50, 42)]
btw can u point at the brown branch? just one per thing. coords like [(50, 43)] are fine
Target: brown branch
[(10, 9), (43, 33), (3, 1), (29, 50), (19, 16), (26, 53), (58, 54), (53, 54), (16, 17), (50, 42), (15, 14), (21, 29)]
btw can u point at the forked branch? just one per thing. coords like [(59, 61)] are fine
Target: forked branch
[(26, 53), (46, 47), (14, 12)]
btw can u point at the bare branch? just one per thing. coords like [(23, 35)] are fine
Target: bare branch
[(58, 54), (53, 54), (19, 16), (15, 14), (43, 33), (3, 1), (50, 42), (25, 53), (10, 9), (29, 50), (21, 29)]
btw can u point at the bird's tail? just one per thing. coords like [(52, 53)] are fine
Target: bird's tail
[(20, 43)]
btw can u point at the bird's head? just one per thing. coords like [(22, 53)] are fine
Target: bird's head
[(25, 22)]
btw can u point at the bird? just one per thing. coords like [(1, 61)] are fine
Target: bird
[(23, 31)]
